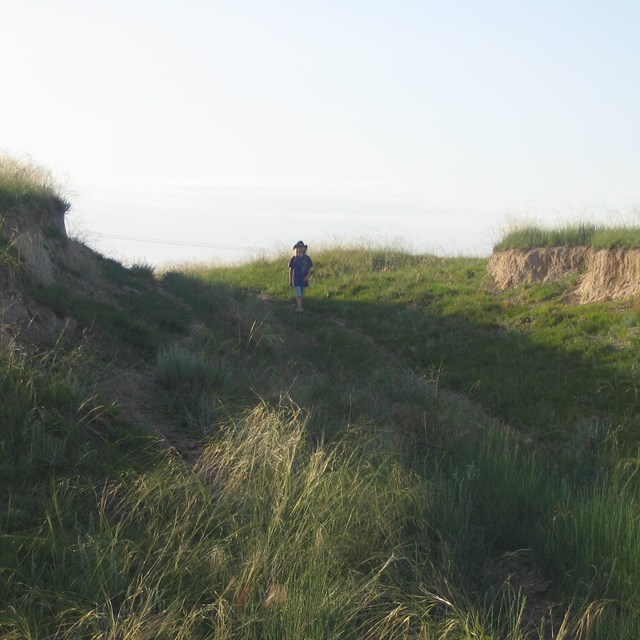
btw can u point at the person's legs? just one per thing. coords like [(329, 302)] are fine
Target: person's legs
[(299, 295)]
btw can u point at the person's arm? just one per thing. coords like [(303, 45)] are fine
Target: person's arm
[(309, 273)]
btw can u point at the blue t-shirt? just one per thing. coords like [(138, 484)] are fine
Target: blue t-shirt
[(301, 266)]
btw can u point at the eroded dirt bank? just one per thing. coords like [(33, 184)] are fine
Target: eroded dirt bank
[(604, 274)]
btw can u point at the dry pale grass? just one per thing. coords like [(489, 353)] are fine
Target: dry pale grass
[(22, 182)]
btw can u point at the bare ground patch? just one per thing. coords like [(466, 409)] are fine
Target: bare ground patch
[(604, 274)]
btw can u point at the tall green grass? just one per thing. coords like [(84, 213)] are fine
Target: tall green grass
[(580, 234), (26, 184), (54, 424), (268, 535), (575, 512)]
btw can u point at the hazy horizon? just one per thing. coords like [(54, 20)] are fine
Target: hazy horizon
[(254, 125)]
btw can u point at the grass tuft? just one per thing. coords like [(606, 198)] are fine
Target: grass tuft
[(580, 234), (25, 184)]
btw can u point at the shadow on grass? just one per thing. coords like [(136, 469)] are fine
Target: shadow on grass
[(552, 392), (352, 356)]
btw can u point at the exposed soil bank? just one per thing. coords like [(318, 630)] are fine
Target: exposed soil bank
[(35, 234), (35, 250), (605, 274)]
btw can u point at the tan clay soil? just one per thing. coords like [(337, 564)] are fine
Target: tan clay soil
[(604, 274)]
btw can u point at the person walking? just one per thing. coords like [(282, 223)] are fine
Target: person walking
[(300, 269)]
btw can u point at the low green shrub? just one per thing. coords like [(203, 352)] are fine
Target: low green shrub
[(178, 367)]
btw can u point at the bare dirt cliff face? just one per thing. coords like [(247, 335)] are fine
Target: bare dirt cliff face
[(35, 251), (604, 274), (32, 233)]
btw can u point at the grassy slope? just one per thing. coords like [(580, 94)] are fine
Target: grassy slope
[(565, 376), (408, 492), (443, 320)]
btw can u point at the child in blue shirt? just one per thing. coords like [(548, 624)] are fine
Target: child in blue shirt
[(300, 268)]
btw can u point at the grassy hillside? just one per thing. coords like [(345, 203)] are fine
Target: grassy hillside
[(418, 456), (539, 364)]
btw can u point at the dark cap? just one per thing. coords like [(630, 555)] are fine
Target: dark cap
[(300, 245)]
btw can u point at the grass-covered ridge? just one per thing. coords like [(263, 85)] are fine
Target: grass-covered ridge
[(581, 234), (419, 456), (24, 183)]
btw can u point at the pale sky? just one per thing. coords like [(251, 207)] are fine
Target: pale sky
[(193, 130)]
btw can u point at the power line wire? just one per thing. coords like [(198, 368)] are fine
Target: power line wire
[(335, 219)]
